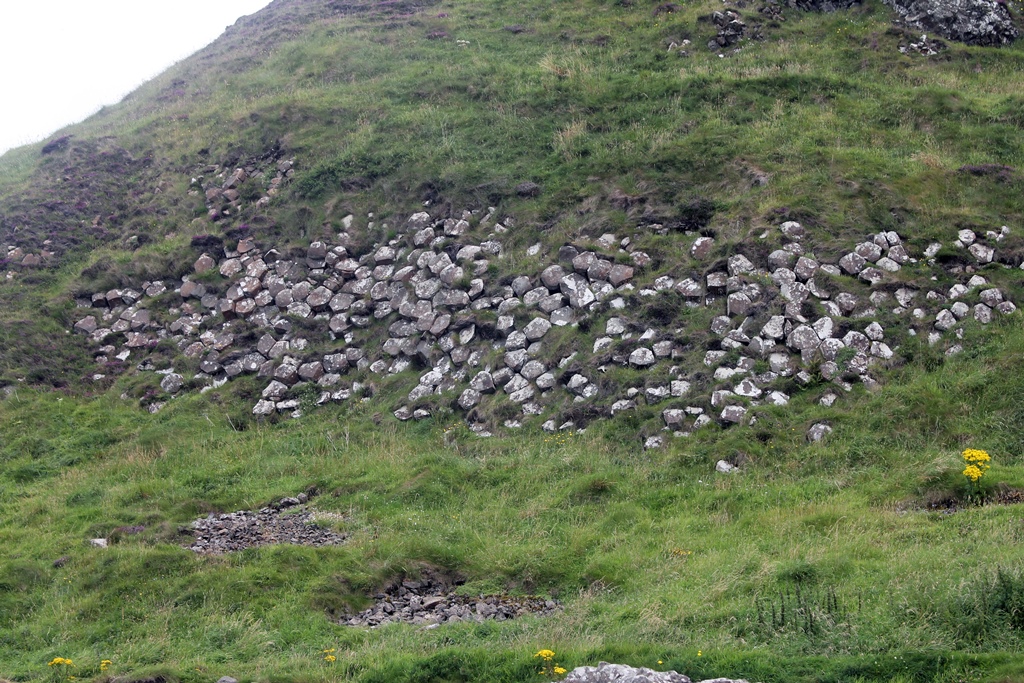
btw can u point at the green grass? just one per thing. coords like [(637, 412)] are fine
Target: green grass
[(653, 554)]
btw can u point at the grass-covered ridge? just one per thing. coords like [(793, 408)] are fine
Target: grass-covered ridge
[(381, 110), (817, 118)]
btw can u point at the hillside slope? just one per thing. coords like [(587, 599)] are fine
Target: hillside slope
[(679, 316)]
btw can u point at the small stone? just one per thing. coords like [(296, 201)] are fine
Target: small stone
[(881, 350), (536, 329), (720, 324), (747, 388), (818, 431), (869, 251), (738, 304), (673, 417), (653, 442), (642, 358), (469, 399), (551, 277), (803, 338), (740, 265), (983, 253), (562, 316), (944, 320), (991, 297), (733, 414), (852, 263), (88, 325), (717, 281), (872, 276), (172, 383), (231, 267), (545, 381), (204, 264), (824, 327), (620, 274), (792, 230), (532, 370), (888, 265), (780, 258), (656, 394), (702, 247)]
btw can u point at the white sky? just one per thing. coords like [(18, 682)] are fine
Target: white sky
[(61, 60)]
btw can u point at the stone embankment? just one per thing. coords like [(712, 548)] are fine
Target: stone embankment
[(427, 304)]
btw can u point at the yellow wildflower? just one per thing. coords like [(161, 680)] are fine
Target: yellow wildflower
[(559, 670), (976, 455), (976, 461), (545, 654)]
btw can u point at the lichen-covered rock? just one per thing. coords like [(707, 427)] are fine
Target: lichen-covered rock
[(818, 431), (974, 22), (642, 358), (733, 414), (469, 399), (172, 383), (621, 673)]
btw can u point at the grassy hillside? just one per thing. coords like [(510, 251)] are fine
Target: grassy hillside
[(867, 556), (655, 556)]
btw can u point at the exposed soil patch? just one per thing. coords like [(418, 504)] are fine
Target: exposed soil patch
[(950, 503), (430, 601), (218, 534)]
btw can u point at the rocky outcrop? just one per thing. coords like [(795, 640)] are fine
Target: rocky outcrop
[(322, 323), (431, 601), (730, 29), (622, 673), (217, 534), (974, 22)]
